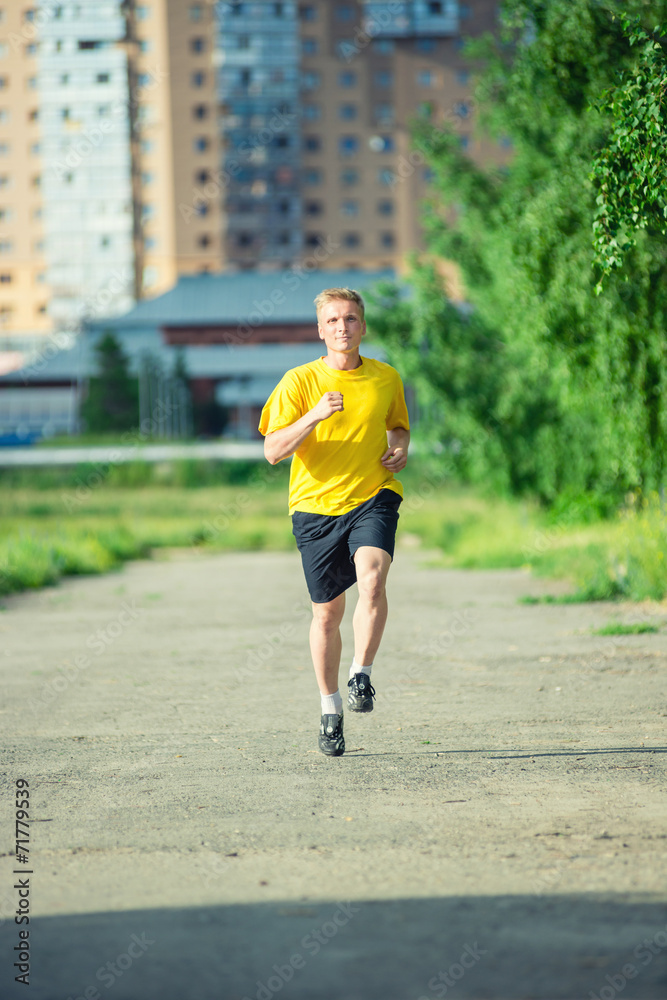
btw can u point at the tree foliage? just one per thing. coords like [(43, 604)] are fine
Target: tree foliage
[(539, 385), (112, 403), (630, 170)]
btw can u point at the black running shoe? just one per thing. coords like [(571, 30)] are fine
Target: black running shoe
[(361, 693), (332, 741)]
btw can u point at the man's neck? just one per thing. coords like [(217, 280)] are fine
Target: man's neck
[(343, 362)]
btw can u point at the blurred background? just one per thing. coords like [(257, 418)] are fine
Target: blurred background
[(178, 180)]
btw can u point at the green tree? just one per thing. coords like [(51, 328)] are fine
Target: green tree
[(540, 385), (630, 170), (112, 402)]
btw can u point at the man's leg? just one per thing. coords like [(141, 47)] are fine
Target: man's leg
[(326, 644), (370, 614)]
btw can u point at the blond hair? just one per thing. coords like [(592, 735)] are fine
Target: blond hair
[(331, 294)]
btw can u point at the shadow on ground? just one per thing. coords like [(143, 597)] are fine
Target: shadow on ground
[(502, 948)]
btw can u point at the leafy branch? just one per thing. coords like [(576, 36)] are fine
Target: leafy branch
[(630, 170)]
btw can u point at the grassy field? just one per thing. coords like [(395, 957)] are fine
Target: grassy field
[(56, 522)]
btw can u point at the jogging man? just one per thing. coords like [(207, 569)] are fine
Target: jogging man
[(344, 419)]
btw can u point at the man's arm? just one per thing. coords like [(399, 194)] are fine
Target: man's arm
[(284, 442), (396, 456)]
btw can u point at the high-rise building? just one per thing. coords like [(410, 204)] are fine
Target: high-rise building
[(108, 131), (144, 140)]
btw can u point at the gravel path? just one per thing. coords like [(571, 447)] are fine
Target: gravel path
[(496, 828)]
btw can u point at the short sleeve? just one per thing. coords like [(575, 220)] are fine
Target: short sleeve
[(397, 414), (283, 406)]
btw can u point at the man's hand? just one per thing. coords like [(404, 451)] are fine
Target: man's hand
[(394, 459), (330, 403)]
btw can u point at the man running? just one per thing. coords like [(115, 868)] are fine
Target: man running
[(344, 419)]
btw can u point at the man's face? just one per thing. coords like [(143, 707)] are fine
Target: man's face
[(340, 326)]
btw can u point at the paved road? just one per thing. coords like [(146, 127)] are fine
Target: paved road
[(495, 830)]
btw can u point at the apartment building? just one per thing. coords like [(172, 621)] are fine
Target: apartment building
[(140, 141), (108, 129), (367, 71)]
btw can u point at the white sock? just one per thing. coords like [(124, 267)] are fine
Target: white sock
[(356, 668), (332, 704)]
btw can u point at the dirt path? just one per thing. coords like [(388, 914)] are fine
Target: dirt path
[(495, 830)]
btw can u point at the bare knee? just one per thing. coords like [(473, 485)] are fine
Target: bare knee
[(372, 584), (327, 617)]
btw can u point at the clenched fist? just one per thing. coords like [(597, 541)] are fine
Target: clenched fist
[(331, 402)]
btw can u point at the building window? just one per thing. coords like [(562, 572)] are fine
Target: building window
[(381, 143), (386, 177), (384, 114), (424, 78), (425, 45), (387, 240), (244, 239), (4, 148), (4, 115), (383, 78), (311, 112), (103, 110), (464, 141), (428, 175), (198, 79), (243, 41), (347, 112), (307, 12), (200, 111), (147, 211), (197, 44), (384, 46), (36, 180), (464, 11), (312, 143), (313, 239), (309, 46), (5, 246), (5, 214), (278, 9), (145, 45), (102, 78), (33, 48), (462, 76), (347, 78), (344, 12), (31, 82), (200, 144), (348, 145), (349, 208), (105, 241), (349, 177), (4, 180), (505, 142), (202, 208), (147, 178), (143, 12), (310, 80), (462, 109), (281, 142), (147, 145), (313, 208), (4, 48), (195, 12), (385, 207), (4, 80), (312, 177), (5, 279), (204, 241), (284, 238), (351, 240), (236, 7), (435, 7)]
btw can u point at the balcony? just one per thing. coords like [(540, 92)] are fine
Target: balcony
[(413, 18)]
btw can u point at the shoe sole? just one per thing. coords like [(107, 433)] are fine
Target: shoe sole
[(365, 706), (334, 752)]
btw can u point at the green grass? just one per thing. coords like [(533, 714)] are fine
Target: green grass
[(56, 522), (618, 628)]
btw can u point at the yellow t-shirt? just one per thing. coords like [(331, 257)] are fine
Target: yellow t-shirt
[(338, 465)]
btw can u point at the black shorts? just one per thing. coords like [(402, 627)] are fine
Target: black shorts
[(327, 542)]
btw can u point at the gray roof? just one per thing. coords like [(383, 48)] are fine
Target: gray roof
[(251, 297)]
